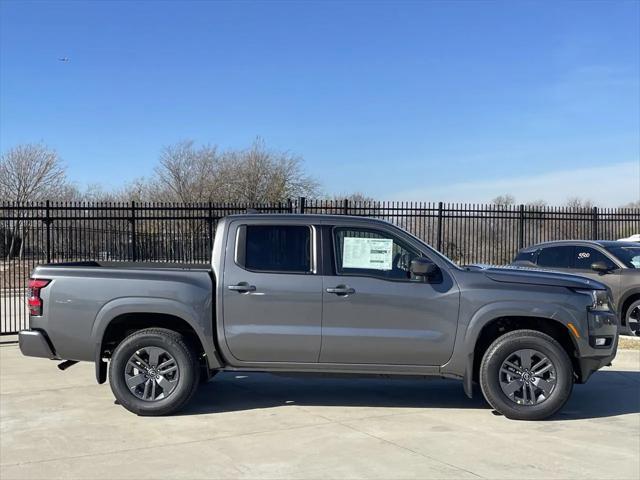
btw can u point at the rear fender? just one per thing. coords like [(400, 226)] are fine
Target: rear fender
[(199, 322)]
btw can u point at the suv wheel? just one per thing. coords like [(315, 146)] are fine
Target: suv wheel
[(153, 372), (633, 318), (526, 375)]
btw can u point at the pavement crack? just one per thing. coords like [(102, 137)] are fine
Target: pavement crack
[(155, 447), (450, 465), (402, 447)]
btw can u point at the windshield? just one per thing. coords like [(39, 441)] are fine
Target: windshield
[(630, 256)]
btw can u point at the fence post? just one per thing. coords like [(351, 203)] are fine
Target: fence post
[(439, 239), (594, 232), (132, 220), (345, 206), (210, 226), (47, 223), (521, 228), (301, 202)]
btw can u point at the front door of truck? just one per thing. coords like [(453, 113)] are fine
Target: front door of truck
[(272, 295), (374, 313)]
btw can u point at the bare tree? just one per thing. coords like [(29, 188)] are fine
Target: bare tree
[(577, 202), (353, 197), (32, 172), (259, 174), (504, 200), (187, 173)]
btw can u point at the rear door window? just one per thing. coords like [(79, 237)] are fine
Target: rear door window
[(278, 248), (556, 257)]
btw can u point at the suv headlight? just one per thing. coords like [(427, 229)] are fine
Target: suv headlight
[(600, 301)]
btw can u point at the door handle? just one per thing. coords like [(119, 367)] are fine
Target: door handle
[(242, 287), (341, 290)]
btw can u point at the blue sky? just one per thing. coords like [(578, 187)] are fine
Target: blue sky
[(454, 101)]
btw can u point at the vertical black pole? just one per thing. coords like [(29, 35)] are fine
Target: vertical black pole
[(345, 206), (47, 223), (134, 247), (439, 240), (301, 202), (521, 228), (210, 225), (289, 205), (595, 233)]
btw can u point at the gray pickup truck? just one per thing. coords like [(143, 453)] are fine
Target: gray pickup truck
[(323, 294)]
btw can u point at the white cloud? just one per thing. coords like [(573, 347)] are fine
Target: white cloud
[(607, 186)]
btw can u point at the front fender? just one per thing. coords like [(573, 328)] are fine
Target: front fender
[(491, 311), (199, 322), (461, 363)]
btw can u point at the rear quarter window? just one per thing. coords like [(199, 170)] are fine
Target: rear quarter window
[(528, 256), (556, 257)]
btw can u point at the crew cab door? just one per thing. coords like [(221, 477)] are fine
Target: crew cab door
[(272, 295), (374, 313)]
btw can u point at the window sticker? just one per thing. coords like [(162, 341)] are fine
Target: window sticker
[(584, 255), (371, 253)]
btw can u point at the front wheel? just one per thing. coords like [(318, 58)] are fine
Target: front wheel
[(153, 372), (526, 375), (633, 318)]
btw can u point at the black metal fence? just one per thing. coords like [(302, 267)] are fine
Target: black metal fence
[(34, 233)]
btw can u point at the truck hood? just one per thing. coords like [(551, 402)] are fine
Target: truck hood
[(535, 276)]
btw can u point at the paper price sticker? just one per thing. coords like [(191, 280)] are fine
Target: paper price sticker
[(371, 253)]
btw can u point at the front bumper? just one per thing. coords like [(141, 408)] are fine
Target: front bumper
[(602, 325), (34, 343)]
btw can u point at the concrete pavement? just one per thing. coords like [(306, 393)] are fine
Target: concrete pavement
[(57, 424)]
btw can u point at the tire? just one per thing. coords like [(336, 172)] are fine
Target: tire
[(632, 319), (508, 380), (160, 379)]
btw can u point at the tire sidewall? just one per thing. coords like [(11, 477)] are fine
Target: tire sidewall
[(634, 305), (186, 379), (500, 350)]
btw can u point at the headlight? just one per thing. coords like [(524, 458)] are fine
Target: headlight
[(600, 301)]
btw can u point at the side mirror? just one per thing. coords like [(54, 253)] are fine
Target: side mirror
[(423, 267), (600, 267)]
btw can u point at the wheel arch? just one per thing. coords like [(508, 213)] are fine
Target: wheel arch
[(123, 316), (499, 326), (625, 303)]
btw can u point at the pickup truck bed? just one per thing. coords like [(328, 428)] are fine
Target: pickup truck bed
[(116, 291)]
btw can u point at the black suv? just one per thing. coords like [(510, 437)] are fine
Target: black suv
[(616, 264)]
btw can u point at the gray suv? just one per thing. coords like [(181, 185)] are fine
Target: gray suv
[(616, 264)]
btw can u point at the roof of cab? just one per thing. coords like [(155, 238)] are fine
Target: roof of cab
[(308, 217)]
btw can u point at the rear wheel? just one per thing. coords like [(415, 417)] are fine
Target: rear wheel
[(153, 372), (526, 375)]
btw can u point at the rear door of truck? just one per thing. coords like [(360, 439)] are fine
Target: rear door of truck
[(272, 292)]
